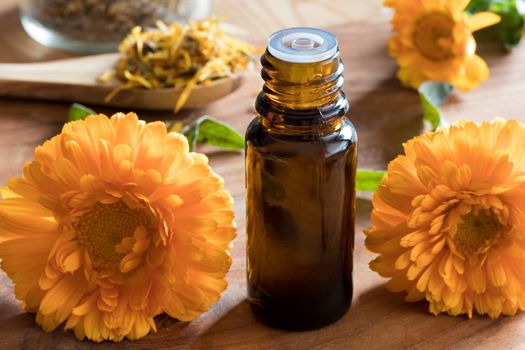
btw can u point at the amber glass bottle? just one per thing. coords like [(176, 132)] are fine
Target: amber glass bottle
[(300, 184)]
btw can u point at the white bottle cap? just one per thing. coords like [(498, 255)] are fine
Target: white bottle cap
[(302, 45)]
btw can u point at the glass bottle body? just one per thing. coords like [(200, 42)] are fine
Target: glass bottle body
[(300, 172)]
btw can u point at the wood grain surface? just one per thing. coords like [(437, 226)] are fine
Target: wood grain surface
[(385, 115)]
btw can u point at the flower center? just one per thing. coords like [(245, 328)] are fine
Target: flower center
[(433, 36), (106, 228), (477, 232)]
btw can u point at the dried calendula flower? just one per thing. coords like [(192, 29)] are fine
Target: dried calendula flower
[(179, 55)]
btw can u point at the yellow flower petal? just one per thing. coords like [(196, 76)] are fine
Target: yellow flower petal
[(476, 71), (459, 5), (73, 261), (482, 20)]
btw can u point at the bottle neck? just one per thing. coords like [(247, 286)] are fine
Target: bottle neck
[(290, 85), (302, 98)]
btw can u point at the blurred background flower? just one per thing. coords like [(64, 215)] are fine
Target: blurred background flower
[(433, 41)]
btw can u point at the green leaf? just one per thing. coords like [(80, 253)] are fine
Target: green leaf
[(209, 131), (368, 180), (432, 95), (512, 13), (79, 112), (476, 6), (191, 133)]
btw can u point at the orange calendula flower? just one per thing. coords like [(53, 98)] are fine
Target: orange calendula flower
[(112, 223), (433, 42), (449, 220)]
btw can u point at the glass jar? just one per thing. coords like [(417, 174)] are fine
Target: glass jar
[(301, 152), (94, 26)]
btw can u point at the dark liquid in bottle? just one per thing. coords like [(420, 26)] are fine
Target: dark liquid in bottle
[(300, 205)]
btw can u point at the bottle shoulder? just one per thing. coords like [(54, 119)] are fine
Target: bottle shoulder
[(260, 139), (256, 131)]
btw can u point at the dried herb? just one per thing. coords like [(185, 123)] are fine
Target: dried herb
[(178, 55)]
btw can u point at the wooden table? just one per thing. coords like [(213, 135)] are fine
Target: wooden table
[(384, 114)]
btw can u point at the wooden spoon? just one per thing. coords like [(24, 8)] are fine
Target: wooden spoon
[(75, 80)]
